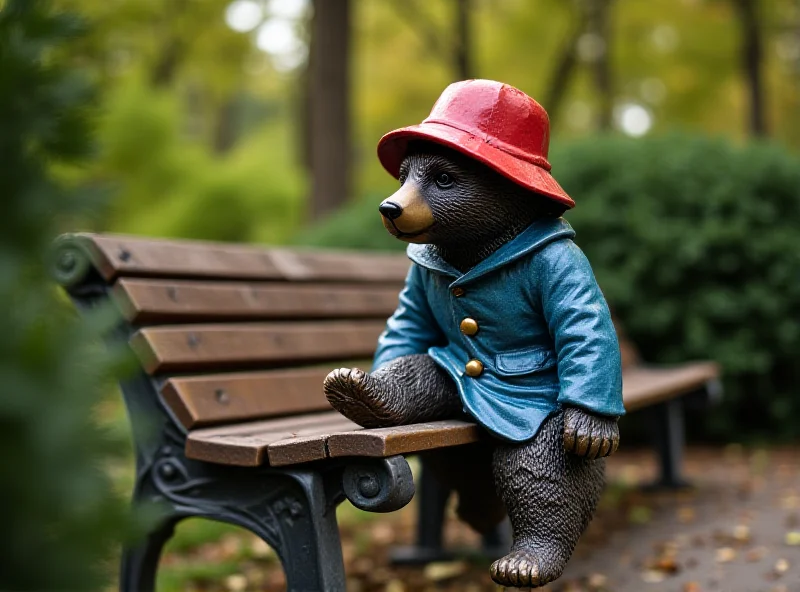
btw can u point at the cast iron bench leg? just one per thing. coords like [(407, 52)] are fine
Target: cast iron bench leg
[(288, 509), (669, 443), (432, 500), (431, 504), (309, 545), (140, 564)]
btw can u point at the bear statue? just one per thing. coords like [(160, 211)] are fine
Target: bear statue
[(501, 321)]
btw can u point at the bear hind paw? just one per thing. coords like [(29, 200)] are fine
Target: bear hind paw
[(357, 396), (521, 569)]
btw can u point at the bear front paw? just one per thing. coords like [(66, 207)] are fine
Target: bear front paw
[(588, 435)]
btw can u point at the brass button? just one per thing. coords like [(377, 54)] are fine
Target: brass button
[(474, 368), (458, 291), (469, 326)]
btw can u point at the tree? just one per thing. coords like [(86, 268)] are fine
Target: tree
[(751, 63), (457, 49), (329, 106)]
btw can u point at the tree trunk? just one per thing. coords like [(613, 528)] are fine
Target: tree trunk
[(225, 126), (329, 106), (167, 65), (463, 64), (752, 56), (562, 73), (599, 22)]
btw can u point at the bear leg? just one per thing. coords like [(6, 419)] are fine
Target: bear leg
[(410, 389), (550, 496)]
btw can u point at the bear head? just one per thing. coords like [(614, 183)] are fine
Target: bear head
[(459, 205)]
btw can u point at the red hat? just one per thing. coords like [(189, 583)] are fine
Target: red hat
[(493, 123)]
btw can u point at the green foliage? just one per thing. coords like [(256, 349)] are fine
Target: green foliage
[(60, 519), (696, 246), (170, 186)]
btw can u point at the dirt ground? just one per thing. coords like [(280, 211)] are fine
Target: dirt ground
[(736, 530)]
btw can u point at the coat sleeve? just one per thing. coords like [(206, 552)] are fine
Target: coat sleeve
[(412, 329), (589, 365)]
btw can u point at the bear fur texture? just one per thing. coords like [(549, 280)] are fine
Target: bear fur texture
[(550, 484)]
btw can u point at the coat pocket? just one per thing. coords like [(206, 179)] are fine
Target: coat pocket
[(524, 361)]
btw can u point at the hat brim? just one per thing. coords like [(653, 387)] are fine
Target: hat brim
[(392, 149)]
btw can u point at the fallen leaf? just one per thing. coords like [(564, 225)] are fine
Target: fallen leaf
[(652, 576), (692, 587), (383, 533), (793, 538), (260, 549), (741, 533), (667, 564), (236, 583), (395, 586), (781, 566), (756, 554), (725, 555), (441, 570), (230, 546), (597, 580)]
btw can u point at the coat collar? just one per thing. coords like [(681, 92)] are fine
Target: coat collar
[(534, 237)]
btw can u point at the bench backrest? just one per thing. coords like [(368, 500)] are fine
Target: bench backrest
[(239, 332), (234, 333)]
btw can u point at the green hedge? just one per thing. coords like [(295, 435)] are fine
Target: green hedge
[(61, 520), (696, 244)]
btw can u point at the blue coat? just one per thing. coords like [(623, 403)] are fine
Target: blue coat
[(545, 335)]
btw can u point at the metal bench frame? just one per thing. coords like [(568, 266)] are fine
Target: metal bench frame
[(292, 509)]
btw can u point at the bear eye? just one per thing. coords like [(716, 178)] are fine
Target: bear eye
[(443, 180)]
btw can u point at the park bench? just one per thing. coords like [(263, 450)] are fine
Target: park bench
[(228, 416)]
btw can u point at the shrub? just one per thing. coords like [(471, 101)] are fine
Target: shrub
[(695, 243), (59, 516)]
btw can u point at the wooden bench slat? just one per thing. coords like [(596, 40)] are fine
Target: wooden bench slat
[(117, 255), (644, 386), (202, 347), (289, 441), (199, 401), (246, 444), (149, 300), (383, 442)]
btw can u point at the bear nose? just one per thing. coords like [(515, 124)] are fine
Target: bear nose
[(390, 210)]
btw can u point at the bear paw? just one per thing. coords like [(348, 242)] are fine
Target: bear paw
[(588, 435), (520, 569), (359, 397)]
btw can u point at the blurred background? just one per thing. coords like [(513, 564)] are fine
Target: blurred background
[(675, 125)]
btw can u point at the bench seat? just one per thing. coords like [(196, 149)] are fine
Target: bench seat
[(286, 441)]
